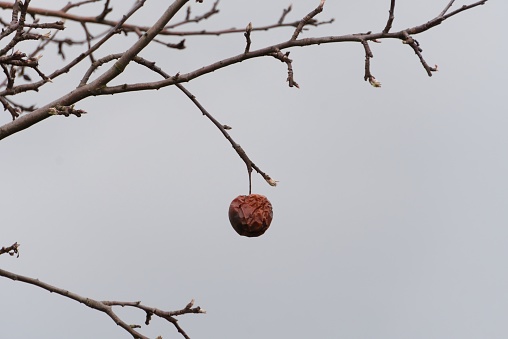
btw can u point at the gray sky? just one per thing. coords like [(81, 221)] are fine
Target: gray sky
[(389, 219)]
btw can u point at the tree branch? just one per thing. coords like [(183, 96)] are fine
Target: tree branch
[(223, 128), (100, 87), (82, 92), (107, 306)]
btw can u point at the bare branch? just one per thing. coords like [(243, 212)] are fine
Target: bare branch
[(34, 86), (15, 65), (168, 30), (7, 107), (223, 128), (99, 86), (464, 8), (106, 306)]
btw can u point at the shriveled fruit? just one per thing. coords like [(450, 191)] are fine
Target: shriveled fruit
[(250, 215)]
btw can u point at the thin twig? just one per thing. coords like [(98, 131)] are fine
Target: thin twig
[(284, 14), (391, 17), (239, 150), (76, 4), (464, 8), (450, 4), (285, 58), (418, 51), (8, 107), (214, 10), (248, 29), (105, 12), (306, 19), (368, 75)]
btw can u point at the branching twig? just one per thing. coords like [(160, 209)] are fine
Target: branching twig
[(105, 12), (461, 9), (418, 51), (285, 58), (239, 150), (94, 88), (284, 14), (214, 10), (223, 128), (7, 106), (11, 250), (168, 30), (107, 306), (76, 4), (450, 4), (14, 62), (307, 19)]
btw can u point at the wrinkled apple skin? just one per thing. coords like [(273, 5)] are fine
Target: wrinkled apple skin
[(250, 215)]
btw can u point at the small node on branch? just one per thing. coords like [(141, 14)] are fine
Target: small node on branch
[(180, 45), (248, 30), (284, 57), (148, 318), (374, 82), (11, 250), (271, 182), (66, 111)]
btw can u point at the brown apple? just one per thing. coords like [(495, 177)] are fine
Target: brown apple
[(250, 215)]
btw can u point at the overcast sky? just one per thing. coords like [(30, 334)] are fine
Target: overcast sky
[(390, 217)]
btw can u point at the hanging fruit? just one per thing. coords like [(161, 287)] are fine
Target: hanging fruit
[(250, 215)]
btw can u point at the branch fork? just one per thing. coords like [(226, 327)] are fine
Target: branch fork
[(284, 57)]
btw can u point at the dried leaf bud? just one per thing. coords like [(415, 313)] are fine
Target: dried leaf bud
[(374, 82), (250, 215), (190, 304), (272, 182)]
